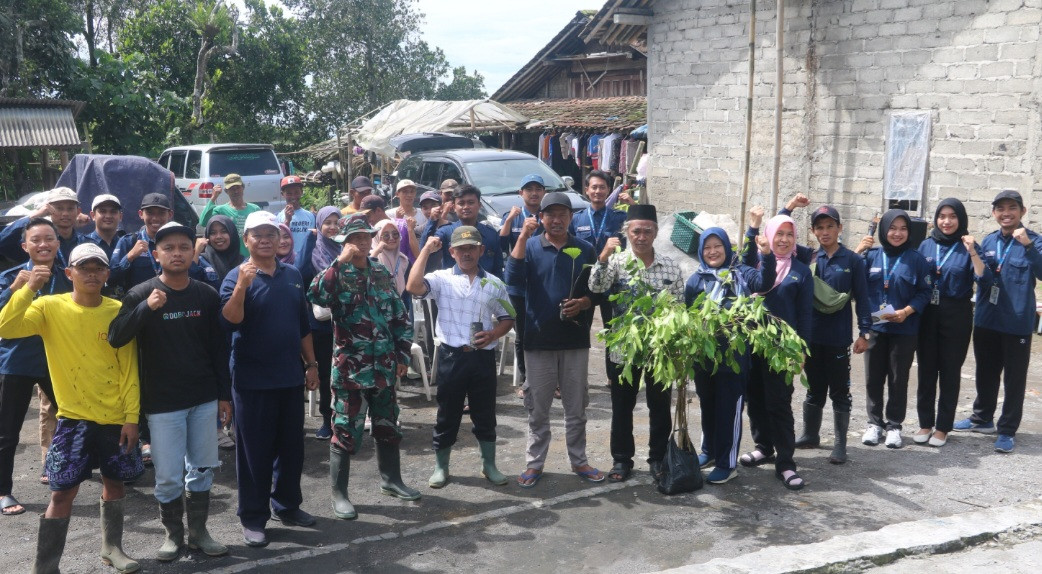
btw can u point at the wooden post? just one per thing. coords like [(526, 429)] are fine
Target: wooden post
[(336, 174), (748, 113), (779, 98)]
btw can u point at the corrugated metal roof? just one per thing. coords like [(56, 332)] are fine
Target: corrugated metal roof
[(26, 123)]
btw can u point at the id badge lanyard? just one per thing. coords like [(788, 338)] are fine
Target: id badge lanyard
[(887, 270), (597, 232), (50, 289), (1000, 255), (156, 267), (935, 295)]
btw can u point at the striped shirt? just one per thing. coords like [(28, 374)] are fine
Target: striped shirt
[(462, 302)]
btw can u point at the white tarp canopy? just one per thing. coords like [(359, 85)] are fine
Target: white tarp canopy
[(408, 116)]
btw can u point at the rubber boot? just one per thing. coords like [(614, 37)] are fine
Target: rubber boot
[(50, 543), (811, 426), (198, 509), (389, 461), (112, 537), (488, 463), (339, 478), (171, 514), (839, 451), (441, 468)]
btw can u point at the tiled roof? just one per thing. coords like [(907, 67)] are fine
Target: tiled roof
[(604, 114), (28, 123)]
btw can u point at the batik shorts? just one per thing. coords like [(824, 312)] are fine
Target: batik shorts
[(81, 446)]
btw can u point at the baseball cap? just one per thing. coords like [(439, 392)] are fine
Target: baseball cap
[(449, 184), (1006, 194), (532, 178), (62, 194), (260, 219), (85, 252), (371, 202), (233, 179), (172, 228), (554, 198), (825, 211), (362, 183), (356, 223), (156, 200), (105, 198), (404, 183), (291, 180), (465, 235), (431, 195)]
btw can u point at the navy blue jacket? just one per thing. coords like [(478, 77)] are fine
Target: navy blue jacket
[(955, 278), (506, 242), (910, 284), (545, 277), (1015, 312), (607, 221), (845, 272), (750, 281), (792, 300), (26, 356), (108, 248), (11, 243), (491, 261), (266, 344), (124, 274)]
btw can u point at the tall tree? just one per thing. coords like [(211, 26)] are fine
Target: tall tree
[(36, 51), (463, 86), (213, 24)]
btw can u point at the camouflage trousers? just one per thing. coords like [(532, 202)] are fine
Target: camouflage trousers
[(350, 408)]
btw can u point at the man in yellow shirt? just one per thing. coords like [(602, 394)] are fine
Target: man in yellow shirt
[(97, 391)]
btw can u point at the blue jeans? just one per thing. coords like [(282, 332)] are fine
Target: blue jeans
[(184, 450)]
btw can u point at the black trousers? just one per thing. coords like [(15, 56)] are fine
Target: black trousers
[(623, 401), (1000, 354), (887, 362), (770, 414), (519, 339), (607, 314), (16, 391), (828, 376), (323, 343), (944, 339), (465, 376)]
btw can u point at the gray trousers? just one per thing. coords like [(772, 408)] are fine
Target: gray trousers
[(547, 371)]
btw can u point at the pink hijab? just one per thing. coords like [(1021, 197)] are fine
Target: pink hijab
[(784, 263)]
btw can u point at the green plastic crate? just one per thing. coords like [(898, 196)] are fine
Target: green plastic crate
[(685, 233)]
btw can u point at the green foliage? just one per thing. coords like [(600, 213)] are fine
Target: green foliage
[(36, 50), (668, 339), (462, 86), (316, 197), (505, 303)]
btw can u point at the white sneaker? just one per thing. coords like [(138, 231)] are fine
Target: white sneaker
[(893, 439), (872, 435)]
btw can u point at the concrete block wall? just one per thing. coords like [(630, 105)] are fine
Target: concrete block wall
[(974, 64)]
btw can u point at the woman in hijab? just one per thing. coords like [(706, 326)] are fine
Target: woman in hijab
[(386, 251), (286, 251), (318, 254), (221, 253), (791, 299), (721, 393), (946, 324), (899, 282)]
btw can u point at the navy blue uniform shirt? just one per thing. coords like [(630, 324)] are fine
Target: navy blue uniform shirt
[(11, 243), (910, 284), (792, 300), (545, 277), (107, 247), (507, 242), (595, 227), (26, 356), (955, 278), (491, 261), (845, 272), (1021, 267), (266, 344)]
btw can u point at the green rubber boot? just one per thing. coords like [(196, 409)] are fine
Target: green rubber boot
[(50, 544), (339, 478), (112, 538), (389, 461), (198, 509), (171, 514), (441, 468), (488, 463)]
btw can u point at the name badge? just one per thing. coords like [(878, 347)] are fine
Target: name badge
[(875, 270), (994, 297), (935, 296)]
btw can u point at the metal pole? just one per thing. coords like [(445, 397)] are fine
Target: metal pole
[(749, 112), (779, 99)]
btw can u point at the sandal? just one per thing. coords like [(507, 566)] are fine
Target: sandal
[(10, 502), (755, 457), (790, 482), (557, 393), (530, 474), (43, 478), (619, 473), (591, 474), (146, 454)]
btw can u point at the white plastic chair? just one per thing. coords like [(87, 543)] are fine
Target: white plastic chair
[(507, 342), (419, 364)]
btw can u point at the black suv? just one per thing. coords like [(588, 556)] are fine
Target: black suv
[(496, 172)]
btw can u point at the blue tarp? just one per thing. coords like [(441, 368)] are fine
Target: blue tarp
[(129, 178)]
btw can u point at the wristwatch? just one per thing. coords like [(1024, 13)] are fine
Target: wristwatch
[(309, 365)]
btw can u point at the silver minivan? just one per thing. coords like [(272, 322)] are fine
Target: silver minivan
[(198, 169)]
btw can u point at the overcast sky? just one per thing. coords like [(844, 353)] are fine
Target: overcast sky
[(496, 37)]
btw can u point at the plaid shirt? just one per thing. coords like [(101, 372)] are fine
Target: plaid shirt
[(609, 278)]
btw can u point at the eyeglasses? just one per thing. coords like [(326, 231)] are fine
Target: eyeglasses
[(390, 236)]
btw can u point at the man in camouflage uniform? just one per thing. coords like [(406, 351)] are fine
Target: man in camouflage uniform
[(372, 339)]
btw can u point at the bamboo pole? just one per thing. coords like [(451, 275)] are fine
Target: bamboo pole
[(749, 113), (779, 98)]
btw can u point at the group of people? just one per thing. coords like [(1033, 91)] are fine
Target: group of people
[(151, 343)]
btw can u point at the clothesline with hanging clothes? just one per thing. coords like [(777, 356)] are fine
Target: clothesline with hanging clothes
[(607, 152)]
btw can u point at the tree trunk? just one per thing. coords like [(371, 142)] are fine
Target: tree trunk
[(89, 34)]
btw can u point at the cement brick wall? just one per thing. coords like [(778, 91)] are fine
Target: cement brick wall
[(848, 64)]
